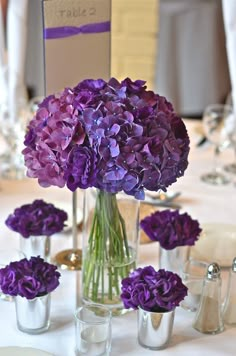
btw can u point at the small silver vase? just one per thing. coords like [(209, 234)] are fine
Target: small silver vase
[(155, 329), (33, 315), (173, 260), (36, 246)]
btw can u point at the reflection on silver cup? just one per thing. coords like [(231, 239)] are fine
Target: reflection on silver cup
[(155, 329), (36, 246), (33, 315)]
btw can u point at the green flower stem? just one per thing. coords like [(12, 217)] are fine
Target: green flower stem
[(108, 257)]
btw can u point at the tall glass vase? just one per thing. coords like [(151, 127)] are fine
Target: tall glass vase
[(110, 241)]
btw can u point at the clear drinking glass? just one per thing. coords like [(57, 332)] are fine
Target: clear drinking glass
[(12, 133), (93, 330), (216, 121), (11, 160), (193, 274), (231, 167)]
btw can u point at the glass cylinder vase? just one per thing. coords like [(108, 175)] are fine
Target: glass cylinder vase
[(155, 329), (110, 242), (36, 246), (173, 260), (33, 315)]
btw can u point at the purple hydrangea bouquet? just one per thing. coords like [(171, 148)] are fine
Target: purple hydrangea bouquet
[(116, 137), (151, 290), (172, 230), (37, 218)]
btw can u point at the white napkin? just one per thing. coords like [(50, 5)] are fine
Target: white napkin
[(229, 13), (16, 44)]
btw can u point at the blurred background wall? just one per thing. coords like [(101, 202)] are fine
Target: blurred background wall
[(177, 46), (135, 39), (192, 67)]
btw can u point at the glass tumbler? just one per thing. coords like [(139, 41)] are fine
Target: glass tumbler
[(192, 274), (93, 330)]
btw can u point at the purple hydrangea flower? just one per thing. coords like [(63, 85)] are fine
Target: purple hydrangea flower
[(37, 218), (110, 135), (171, 228), (155, 291), (81, 169), (29, 278)]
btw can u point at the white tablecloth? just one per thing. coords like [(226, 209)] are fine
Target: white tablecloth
[(205, 202)]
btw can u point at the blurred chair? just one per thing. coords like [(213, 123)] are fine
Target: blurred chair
[(192, 68)]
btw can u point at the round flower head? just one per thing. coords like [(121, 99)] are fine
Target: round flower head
[(171, 228), (29, 278), (151, 290), (37, 218), (109, 135)]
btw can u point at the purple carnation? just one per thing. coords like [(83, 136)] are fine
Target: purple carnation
[(151, 290), (37, 218), (115, 136), (171, 228), (29, 278)]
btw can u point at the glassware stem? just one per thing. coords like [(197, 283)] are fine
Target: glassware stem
[(74, 219), (216, 177), (216, 168), (231, 168)]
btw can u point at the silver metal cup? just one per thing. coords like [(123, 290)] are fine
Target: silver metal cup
[(33, 315), (172, 260), (36, 246), (155, 329)]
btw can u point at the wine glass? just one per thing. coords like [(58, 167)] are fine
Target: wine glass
[(216, 124), (231, 167), (13, 133)]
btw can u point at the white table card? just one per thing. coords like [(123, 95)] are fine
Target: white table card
[(76, 41)]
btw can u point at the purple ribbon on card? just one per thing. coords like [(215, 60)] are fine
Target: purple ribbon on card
[(68, 31)]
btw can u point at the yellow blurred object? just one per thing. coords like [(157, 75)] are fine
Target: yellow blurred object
[(145, 210)]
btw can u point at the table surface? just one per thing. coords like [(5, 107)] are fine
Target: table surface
[(208, 204)]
